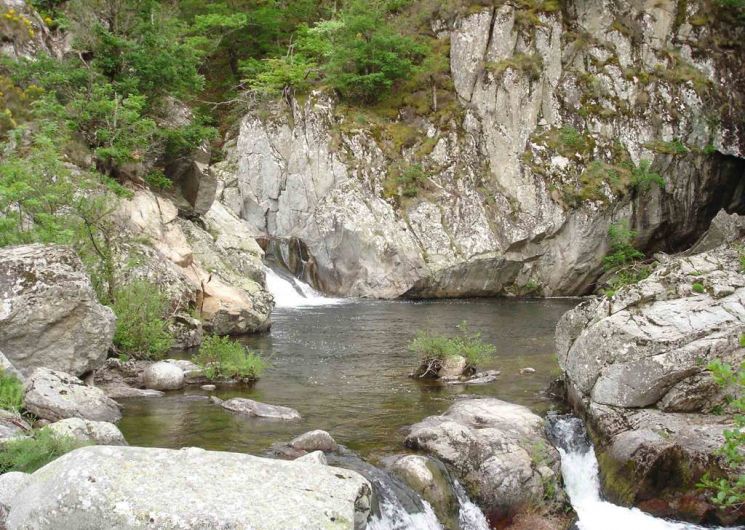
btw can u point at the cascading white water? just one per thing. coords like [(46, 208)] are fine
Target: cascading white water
[(393, 514), (470, 516), (291, 292), (579, 466)]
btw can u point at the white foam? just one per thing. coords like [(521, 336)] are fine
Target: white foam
[(294, 293)]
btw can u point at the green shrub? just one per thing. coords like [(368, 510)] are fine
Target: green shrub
[(622, 252), (29, 454), (141, 328), (157, 180), (698, 287), (729, 492), (225, 358), (434, 349), (11, 392), (642, 176)]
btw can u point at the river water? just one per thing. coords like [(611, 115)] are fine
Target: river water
[(345, 366)]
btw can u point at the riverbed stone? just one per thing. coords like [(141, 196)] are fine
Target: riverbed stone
[(453, 366), (10, 484), (13, 426), (54, 396), (98, 432), (133, 488), (317, 440), (163, 376), (256, 409), (430, 479), (497, 450), (316, 457), (49, 314)]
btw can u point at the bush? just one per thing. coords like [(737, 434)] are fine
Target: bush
[(11, 392), (434, 349), (29, 454), (141, 328), (642, 176), (225, 358), (698, 287), (622, 252), (729, 492)]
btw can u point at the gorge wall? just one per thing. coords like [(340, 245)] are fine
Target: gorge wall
[(507, 180)]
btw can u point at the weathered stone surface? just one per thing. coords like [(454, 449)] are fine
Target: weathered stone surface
[(317, 440), (98, 432), (430, 479), (515, 186), (12, 426), (163, 376), (10, 484), (498, 450), (316, 457), (54, 396), (256, 409), (49, 315), (137, 488), (7, 367), (636, 368)]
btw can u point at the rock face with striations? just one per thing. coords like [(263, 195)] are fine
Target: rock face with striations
[(636, 368), (521, 161), (498, 451), (49, 314), (133, 488)]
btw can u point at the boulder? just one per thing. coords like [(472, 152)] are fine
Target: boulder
[(10, 484), (7, 367), (12, 426), (256, 409), (316, 457), (636, 368), (131, 488), (49, 314), (54, 396), (98, 432), (163, 376), (430, 479), (497, 450), (317, 440)]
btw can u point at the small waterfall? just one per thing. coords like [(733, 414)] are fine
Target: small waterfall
[(288, 291), (470, 516), (580, 470)]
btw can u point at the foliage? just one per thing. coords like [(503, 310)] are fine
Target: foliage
[(157, 180), (698, 287), (433, 349), (29, 454), (529, 64), (729, 492), (225, 358), (642, 176), (622, 252), (11, 392), (141, 326)]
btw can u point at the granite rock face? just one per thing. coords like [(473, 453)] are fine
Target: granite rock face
[(636, 368), (139, 488), (49, 314), (520, 166)]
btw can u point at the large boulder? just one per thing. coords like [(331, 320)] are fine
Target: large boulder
[(142, 488), (163, 376), (636, 368), (54, 396), (49, 315), (97, 432), (10, 484), (498, 451)]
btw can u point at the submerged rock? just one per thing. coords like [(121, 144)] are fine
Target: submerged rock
[(54, 396), (98, 432), (49, 314), (498, 450), (249, 407), (131, 488)]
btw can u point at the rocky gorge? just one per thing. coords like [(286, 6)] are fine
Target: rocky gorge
[(545, 126)]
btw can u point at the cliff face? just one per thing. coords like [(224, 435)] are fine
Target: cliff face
[(508, 182)]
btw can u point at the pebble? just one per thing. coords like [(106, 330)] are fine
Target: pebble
[(527, 370), (208, 388)]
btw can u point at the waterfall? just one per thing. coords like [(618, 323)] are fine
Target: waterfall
[(579, 466), (470, 516), (288, 291)]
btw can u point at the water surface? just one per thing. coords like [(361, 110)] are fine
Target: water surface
[(345, 368)]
